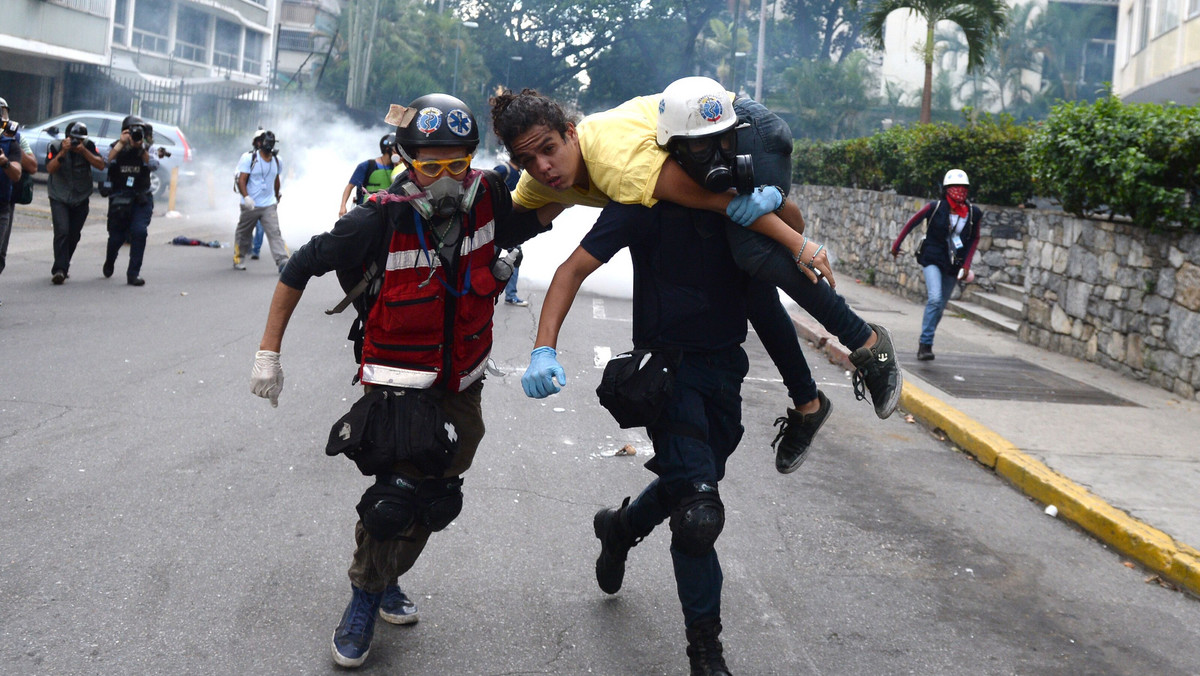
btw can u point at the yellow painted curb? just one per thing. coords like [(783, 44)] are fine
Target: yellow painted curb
[(1151, 547)]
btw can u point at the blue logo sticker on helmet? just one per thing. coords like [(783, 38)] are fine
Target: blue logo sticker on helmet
[(429, 120), (662, 105), (458, 121), (711, 108)]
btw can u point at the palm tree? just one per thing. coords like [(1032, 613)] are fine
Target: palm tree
[(1014, 53), (980, 21)]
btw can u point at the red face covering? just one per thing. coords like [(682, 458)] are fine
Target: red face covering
[(956, 195)]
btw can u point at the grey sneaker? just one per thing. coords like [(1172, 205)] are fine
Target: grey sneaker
[(396, 607), (796, 432), (877, 370), (238, 265)]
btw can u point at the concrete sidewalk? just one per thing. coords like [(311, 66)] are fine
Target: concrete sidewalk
[(1126, 470)]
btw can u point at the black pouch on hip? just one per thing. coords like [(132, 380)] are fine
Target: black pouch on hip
[(365, 433), (637, 385), (120, 211), (388, 425)]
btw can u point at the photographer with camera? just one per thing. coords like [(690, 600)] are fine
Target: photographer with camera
[(69, 164), (258, 184), (15, 158), (130, 201)]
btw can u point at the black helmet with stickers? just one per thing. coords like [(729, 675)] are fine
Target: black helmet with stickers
[(438, 120), (387, 143)]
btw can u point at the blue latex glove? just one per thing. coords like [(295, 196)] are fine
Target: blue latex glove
[(745, 209), (544, 368)]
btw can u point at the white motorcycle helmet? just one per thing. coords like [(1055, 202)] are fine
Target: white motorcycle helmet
[(955, 177), (694, 106)]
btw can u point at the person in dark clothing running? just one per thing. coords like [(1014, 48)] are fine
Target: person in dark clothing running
[(689, 308)]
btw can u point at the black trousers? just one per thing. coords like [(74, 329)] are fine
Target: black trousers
[(68, 222)]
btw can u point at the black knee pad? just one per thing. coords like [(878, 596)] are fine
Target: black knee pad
[(441, 501), (697, 521), (389, 507)]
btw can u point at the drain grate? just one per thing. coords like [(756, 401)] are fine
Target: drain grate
[(977, 376)]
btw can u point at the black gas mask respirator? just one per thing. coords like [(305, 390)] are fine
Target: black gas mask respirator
[(713, 162), (444, 197)]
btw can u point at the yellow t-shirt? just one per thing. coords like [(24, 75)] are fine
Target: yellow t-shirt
[(623, 159)]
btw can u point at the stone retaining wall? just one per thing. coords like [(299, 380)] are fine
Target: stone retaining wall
[(1105, 292)]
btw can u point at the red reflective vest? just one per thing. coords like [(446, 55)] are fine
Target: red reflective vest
[(425, 335)]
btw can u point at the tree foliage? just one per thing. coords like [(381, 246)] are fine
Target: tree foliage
[(912, 160), (979, 20), (1133, 159)]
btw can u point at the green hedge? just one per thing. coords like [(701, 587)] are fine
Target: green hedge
[(1140, 160), (913, 160)]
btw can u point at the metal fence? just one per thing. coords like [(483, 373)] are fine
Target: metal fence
[(211, 110)]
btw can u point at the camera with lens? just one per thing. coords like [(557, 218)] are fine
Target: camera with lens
[(137, 133), (10, 127)]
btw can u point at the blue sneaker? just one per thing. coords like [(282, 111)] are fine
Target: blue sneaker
[(397, 608), (352, 638)]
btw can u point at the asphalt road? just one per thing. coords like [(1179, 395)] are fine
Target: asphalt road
[(156, 518)]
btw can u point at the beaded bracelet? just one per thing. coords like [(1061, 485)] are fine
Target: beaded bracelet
[(815, 253), (798, 254)]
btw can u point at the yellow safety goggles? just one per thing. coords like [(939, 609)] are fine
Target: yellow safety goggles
[(434, 168)]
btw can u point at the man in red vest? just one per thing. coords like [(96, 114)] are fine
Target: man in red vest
[(418, 261)]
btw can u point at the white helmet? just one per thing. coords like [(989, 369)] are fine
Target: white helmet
[(955, 177), (694, 106)]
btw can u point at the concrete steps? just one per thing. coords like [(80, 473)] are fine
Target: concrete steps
[(983, 315), (1003, 309)]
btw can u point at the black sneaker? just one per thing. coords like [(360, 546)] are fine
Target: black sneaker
[(612, 528), (877, 370), (796, 432), (704, 650), (58, 277), (108, 268), (135, 281), (924, 352)]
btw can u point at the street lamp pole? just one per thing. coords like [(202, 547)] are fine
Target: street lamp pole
[(457, 49), (508, 71)]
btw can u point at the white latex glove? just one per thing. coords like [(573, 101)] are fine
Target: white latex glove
[(247, 202), (266, 380)]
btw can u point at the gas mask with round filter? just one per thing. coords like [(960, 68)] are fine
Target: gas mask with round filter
[(713, 162), (444, 197)]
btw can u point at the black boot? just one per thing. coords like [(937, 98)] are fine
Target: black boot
[(616, 539), (924, 352), (704, 648)]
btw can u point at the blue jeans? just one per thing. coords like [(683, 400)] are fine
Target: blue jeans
[(707, 401), (939, 284), (135, 231), (258, 238), (768, 261), (510, 289)]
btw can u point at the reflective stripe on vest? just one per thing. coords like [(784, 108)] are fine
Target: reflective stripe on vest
[(408, 341), (416, 258)]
